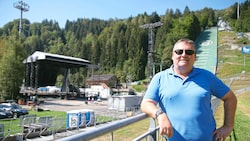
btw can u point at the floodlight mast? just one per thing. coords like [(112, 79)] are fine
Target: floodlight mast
[(238, 10), (150, 26), (23, 7)]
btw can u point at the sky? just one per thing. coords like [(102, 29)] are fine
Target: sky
[(62, 10)]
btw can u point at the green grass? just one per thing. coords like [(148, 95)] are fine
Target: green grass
[(230, 58), (48, 113), (12, 126), (242, 118), (139, 88), (231, 64), (127, 133), (242, 129)]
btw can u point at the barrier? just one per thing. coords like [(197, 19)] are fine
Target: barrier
[(72, 119), (87, 117), (80, 118)]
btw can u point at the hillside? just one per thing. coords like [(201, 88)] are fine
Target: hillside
[(234, 73), (231, 66)]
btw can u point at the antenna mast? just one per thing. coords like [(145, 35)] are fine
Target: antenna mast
[(23, 7), (150, 26)]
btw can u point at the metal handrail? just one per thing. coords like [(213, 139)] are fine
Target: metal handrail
[(109, 128), (150, 133), (96, 132)]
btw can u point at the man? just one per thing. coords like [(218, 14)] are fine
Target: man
[(184, 93)]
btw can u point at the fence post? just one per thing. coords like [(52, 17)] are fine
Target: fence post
[(152, 126), (1, 130)]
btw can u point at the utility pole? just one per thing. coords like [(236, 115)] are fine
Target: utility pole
[(23, 7), (150, 26)]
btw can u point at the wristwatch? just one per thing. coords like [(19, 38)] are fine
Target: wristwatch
[(158, 112)]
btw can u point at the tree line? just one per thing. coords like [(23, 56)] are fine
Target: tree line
[(119, 46)]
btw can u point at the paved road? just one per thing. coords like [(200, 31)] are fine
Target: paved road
[(68, 105)]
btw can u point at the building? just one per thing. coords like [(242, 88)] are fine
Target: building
[(109, 79)]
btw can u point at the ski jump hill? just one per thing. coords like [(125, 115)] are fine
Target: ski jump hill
[(206, 48)]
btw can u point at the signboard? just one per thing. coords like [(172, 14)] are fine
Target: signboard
[(245, 50)]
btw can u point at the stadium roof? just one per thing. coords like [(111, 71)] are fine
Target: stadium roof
[(56, 59)]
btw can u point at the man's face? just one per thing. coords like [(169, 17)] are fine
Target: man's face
[(183, 55)]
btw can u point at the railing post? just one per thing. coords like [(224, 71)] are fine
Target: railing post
[(111, 136), (152, 126)]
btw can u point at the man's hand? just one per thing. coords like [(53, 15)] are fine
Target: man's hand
[(222, 133), (165, 125)]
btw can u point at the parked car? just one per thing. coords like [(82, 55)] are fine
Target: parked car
[(15, 109), (5, 114)]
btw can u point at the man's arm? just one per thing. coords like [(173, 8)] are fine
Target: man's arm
[(149, 107), (230, 102)]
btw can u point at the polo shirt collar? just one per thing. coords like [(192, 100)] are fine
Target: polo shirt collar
[(194, 71)]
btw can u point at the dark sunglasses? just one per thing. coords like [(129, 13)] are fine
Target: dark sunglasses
[(188, 52)]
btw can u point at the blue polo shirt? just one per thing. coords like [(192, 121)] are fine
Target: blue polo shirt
[(187, 102)]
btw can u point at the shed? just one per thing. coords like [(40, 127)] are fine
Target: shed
[(124, 102)]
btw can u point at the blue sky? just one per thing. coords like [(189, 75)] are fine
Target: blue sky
[(61, 10)]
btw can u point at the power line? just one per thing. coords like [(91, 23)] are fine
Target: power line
[(150, 26), (23, 7)]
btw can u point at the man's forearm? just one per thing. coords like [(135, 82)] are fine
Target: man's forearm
[(149, 107), (229, 111)]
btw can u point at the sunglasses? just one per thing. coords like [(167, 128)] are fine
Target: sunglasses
[(188, 52)]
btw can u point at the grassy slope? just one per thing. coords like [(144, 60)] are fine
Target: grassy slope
[(231, 64), (242, 119)]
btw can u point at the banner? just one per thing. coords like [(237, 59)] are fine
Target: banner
[(245, 50)]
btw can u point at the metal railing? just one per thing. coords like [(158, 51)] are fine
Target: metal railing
[(151, 135), (107, 128), (94, 132)]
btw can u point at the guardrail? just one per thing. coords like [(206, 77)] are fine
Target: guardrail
[(108, 128), (151, 135), (91, 133)]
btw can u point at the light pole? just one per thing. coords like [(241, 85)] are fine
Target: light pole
[(238, 10), (23, 7)]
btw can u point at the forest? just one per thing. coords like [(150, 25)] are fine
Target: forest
[(118, 46)]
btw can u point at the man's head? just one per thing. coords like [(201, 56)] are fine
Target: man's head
[(184, 54)]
